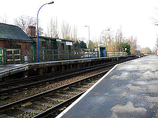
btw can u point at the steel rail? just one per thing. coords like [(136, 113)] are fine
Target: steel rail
[(55, 78), (31, 78), (57, 107), (11, 105)]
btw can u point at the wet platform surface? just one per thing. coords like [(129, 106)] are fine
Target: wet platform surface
[(129, 90)]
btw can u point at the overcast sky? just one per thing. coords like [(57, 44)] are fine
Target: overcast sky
[(133, 16)]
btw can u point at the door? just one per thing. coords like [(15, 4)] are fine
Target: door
[(102, 52), (33, 51)]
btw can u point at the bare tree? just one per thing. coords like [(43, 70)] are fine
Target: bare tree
[(118, 39), (24, 21), (154, 17), (4, 19), (133, 44), (53, 28), (113, 41), (65, 30), (109, 41), (92, 44), (74, 34), (146, 50)]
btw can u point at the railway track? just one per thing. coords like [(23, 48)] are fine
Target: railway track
[(49, 102), (14, 83), (7, 94), (24, 107), (36, 90), (8, 87)]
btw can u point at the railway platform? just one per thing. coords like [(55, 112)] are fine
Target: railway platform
[(40, 68), (6, 70), (128, 90)]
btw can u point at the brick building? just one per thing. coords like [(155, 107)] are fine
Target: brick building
[(49, 42), (16, 45), (12, 36)]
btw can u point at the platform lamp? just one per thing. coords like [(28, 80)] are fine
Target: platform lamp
[(88, 35), (37, 28)]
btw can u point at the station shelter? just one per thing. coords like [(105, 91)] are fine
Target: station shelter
[(17, 47), (13, 38), (59, 48)]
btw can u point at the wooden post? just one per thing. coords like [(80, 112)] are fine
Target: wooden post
[(70, 66), (52, 69), (40, 71), (20, 56), (25, 74), (3, 56), (63, 67), (43, 55)]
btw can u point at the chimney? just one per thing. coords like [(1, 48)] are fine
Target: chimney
[(32, 31)]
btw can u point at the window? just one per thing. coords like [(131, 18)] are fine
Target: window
[(26, 46), (44, 45), (18, 46), (69, 47), (62, 46), (52, 45)]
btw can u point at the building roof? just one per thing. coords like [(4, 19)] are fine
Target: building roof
[(13, 32), (67, 40), (49, 38), (42, 37)]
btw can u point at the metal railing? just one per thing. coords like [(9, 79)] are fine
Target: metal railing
[(12, 56), (113, 53)]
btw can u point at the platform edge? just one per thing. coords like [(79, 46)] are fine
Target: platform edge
[(76, 101)]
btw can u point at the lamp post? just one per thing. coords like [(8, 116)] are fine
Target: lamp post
[(101, 39), (88, 34), (37, 28)]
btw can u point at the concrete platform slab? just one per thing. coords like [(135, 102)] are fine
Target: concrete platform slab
[(129, 90)]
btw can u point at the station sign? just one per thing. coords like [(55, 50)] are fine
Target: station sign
[(68, 43), (58, 40)]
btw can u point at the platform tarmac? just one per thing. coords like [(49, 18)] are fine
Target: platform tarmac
[(129, 90)]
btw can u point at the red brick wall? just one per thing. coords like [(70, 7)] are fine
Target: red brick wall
[(2, 44), (25, 45), (32, 31), (58, 45), (48, 45), (65, 47)]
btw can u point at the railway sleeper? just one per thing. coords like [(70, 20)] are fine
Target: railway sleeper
[(55, 98), (44, 103), (30, 110), (51, 102), (72, 92)]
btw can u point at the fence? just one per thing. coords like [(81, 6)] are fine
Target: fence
[(9, 56), (113, 53), (12, 56)]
